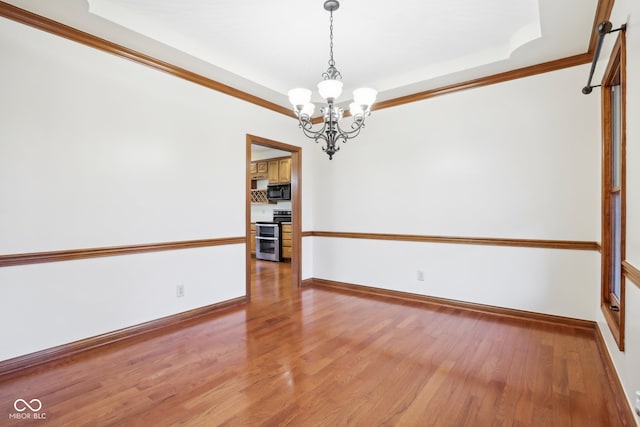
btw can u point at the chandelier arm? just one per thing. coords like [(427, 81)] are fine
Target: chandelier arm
[(350, 134), (309, 132)]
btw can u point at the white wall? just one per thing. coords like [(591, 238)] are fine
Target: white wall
[(99, 151), (519, 159), (556, 282), (626, 363), (55, 303)]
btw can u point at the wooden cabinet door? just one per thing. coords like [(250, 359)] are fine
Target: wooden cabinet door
[(284, 170), (253, 239), (273, 172), (262, 169), (287, 240)]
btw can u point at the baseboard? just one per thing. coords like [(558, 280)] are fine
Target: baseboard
[(21, 363), (488, 309), (622, 403)]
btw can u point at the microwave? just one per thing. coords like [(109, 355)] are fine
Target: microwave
[(279, 192)]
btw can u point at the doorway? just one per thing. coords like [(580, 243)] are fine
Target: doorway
[(296, 223)]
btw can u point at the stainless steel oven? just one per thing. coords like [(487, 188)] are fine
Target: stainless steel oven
[(268, 241), (269, 236)]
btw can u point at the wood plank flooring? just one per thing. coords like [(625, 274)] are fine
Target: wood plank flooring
[(320, 357)]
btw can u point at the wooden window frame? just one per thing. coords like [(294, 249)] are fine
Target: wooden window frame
[(615, 74)]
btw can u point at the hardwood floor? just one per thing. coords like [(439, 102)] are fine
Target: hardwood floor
[(319, 357)]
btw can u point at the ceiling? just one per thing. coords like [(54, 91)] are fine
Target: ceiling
[(400, 48)]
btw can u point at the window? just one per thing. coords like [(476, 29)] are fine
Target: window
[(613, 191)]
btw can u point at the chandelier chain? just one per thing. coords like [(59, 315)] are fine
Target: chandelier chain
[(332, 72), (332, 63)]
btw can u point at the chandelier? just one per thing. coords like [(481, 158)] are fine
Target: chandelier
[(330, 89)]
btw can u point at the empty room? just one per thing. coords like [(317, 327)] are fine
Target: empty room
[(320, 213)]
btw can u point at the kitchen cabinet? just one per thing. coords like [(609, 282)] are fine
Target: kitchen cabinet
[(280, 170), (253, 239), (284, 170), (274, 175), (287, 240), (259, 169)]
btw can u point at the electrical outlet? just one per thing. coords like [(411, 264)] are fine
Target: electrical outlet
[(420, 275), (180, 291)]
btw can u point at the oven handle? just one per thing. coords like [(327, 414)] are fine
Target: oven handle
[(266, 238)]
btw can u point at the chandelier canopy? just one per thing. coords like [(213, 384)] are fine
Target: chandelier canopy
[(330, 89)]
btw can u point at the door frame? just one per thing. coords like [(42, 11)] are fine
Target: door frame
[(296, 207)]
